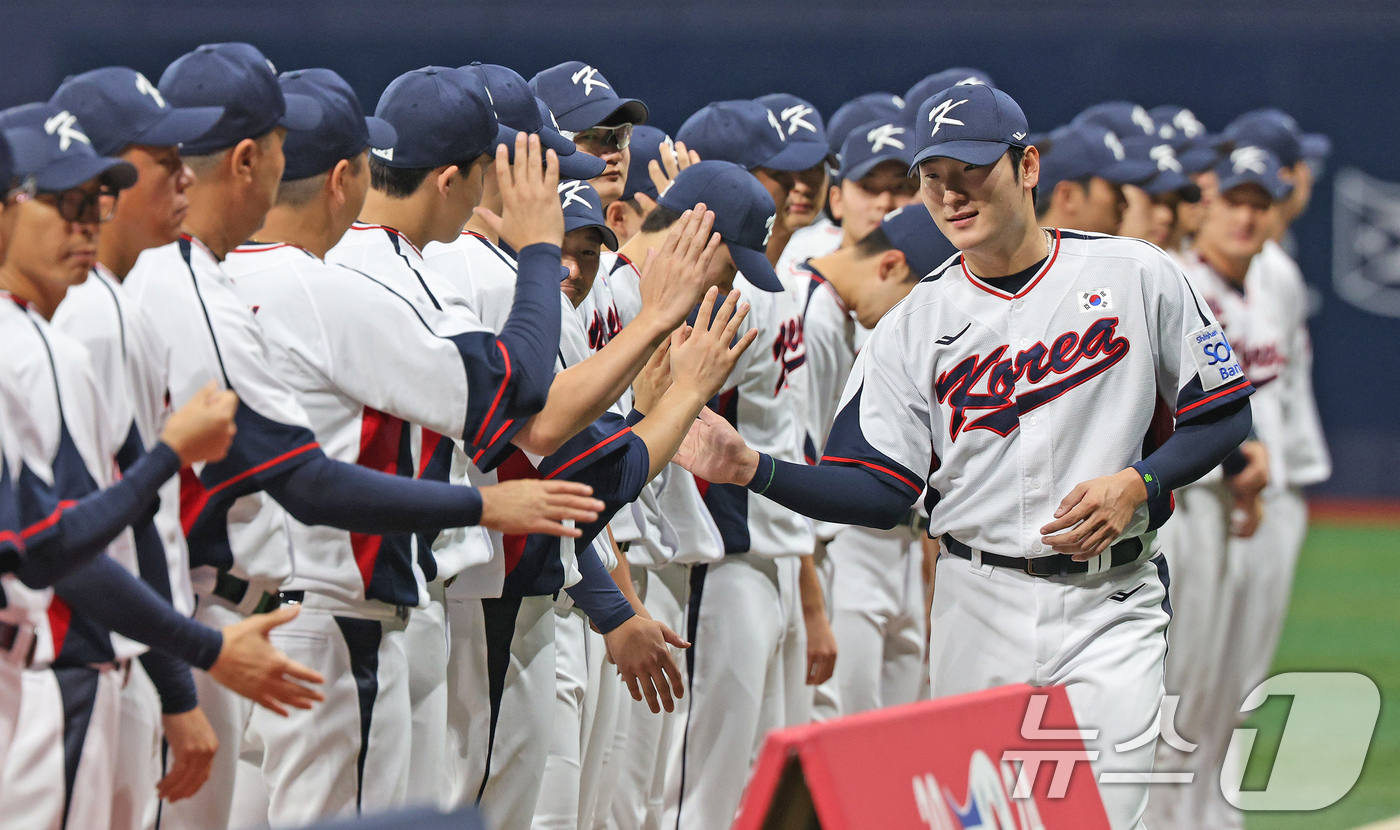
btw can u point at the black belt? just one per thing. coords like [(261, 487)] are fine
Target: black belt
[(299, 597), (914, 520), (1059, 564), (231, 588)]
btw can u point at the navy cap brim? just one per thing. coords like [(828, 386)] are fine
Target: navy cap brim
[(969, 151), (1278, 190), (863, 169), (1166, 181), (593, 113), (1128, 171), (71, 172), (303, 112), (755, 267), (581, 165), (179, 125), (551, 140), (574, 223), (798, 155), (1315, 146), (382, 134), (1198, 159)]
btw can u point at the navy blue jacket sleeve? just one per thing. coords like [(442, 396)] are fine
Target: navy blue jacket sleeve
[(1196, 447), (173, 681), (73, 535), (323, 491), (109, 594), (597, 594), (829, 492)]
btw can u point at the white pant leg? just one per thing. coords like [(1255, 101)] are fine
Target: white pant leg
[(502, 659), (11, 698), (1272, 554), (250, 797), (1195, 541), (993, 626), (640, 795), (826, 698), (735, 649), (558, 803), (877, 617), (228, 714), (138, 768), (351, 752), (33, 791), (602, 710), (795, 696), (426, 646)]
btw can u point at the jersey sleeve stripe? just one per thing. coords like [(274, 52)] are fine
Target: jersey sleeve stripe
[(596, 447), (9, 537), (266, 465), (886, 470), (1222, 393), (500, 392), (48, 521)]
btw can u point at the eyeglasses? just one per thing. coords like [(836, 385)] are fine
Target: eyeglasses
[(82, 206), (23, 191), (598, 140)]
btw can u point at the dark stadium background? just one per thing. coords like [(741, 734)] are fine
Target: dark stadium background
[(1333, 65)]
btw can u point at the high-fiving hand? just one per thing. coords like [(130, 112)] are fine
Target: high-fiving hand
[(530, 209), (673, 278)]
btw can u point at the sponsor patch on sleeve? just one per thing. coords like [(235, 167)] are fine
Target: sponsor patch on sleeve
[(1215, 358)]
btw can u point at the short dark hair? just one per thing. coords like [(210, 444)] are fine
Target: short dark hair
[(659, 219), (877, 242), (403, 182), (1044, 198)]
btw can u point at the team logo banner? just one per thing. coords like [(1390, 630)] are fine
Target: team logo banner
[(1366, 242), (1008, 758)]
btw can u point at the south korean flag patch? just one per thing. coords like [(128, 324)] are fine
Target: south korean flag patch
[(1215, 359), (1097, 300)]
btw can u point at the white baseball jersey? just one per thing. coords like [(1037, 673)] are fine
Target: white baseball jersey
[(229, 523), (1003, 403), (129, 360), (367, 365), (828, 335), (818, 239), (75, 442), (671, 518), (761, 404), (19, 442)]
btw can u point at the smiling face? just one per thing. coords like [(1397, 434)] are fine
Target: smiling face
[(980, 207), (580, 250)]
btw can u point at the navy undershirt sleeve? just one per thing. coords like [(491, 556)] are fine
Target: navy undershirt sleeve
[(1196, 448), (531, 332), (832, 493), (85, 529), (173, 681), (109, 594), (597, 594), (324, 491)]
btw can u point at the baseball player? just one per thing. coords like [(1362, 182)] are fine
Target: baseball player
[(1198, 151), (872, 182), (931, 85), (876, 586), (1132, 125), (751, 613), (639, 196), (591, 114), (750, 134), (803, 123), (951, 385), (1083, 168), (79, 667)]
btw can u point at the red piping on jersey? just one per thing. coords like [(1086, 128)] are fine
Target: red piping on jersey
[(59, 617), (1032, 284), (1223, 392), (360, 226), (912, 486), (48, 521), (630, 263), (499, 393), (13, 538), (264, 247), (194, 240), (265, 465), (588, 452)]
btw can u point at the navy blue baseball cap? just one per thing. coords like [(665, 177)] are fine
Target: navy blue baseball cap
[(21, 152), (344, 131), (1196, 148), (517, 107), (933, 84), (1277, 132), (1168, 172), (63, 158), (583, 208), (237, 77), (912, 230), (119, 107), (441, 118), (1124, 118), (873, 144), (648, 143), (1251, 164), (801, 120), (744, 214), (749, 134), (1078, 150), (581, 98), (872, 106), (974, 124)]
